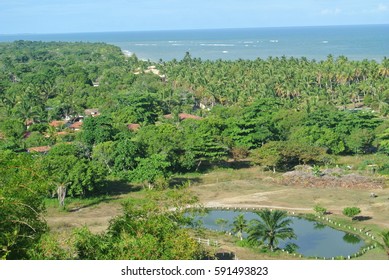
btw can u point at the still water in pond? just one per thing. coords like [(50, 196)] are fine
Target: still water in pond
[(313, 238)]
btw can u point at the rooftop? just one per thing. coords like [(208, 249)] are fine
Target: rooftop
[(57, 123), (133, 126)]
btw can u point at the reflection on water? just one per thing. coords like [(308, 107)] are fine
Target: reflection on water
[(313, 238), (351, 238)]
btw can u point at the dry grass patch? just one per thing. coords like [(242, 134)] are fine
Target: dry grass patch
[(261, 189)]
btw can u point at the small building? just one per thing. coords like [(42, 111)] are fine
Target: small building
[(41, 149), (76, 126), (57, 124)]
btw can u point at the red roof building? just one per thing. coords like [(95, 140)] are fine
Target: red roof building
[(133, 126), (57, 123), (76, 126)]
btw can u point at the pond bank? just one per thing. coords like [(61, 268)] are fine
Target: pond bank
[(319, 237)]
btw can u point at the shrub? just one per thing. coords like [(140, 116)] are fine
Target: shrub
[(320, 210), (351, 211)]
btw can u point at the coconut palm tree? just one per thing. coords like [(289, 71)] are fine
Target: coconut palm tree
[(239, 225), (271, 227)]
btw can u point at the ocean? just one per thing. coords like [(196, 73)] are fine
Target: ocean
[(356, 42)]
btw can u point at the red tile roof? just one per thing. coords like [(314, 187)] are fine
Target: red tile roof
[(56, 123), (133, 126), (76, 125)]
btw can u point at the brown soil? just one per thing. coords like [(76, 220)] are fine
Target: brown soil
[(331, 178)]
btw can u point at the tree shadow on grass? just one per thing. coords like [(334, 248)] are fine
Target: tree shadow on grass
[(119, 187), (110, 192), (89, 203), (362, 218)]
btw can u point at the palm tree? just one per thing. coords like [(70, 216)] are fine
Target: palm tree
[(239, 225), (271, 227)]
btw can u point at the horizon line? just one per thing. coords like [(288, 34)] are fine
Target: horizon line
[(193, 29)]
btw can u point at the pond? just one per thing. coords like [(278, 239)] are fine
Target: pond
[(314, 239)]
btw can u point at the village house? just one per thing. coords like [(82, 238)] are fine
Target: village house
[(76, 126), (57, 124), (41, 149)]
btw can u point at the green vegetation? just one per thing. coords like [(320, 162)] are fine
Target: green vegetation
[(271, 227), (320, 209), (351, 212), (239, 225), (222, 223), (142, 232), (385, 238), (22, 189), (76, 117)]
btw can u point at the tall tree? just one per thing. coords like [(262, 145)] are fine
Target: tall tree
[(271, 227), (97, 130), (239, 225), (72, 176), (150, 170)]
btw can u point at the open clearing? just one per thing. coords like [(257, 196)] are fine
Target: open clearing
[(227, 188), (244, 188)]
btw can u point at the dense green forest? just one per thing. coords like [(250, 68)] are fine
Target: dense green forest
[(73, 116)]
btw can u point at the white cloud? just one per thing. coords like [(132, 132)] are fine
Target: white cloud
[(335, 11)]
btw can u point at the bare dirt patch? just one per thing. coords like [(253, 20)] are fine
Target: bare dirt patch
[(258, 191), (331, 178)]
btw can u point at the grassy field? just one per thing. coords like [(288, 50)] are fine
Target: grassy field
[(248, 187)]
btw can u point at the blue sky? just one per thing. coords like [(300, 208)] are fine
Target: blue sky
[(66, 16)]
